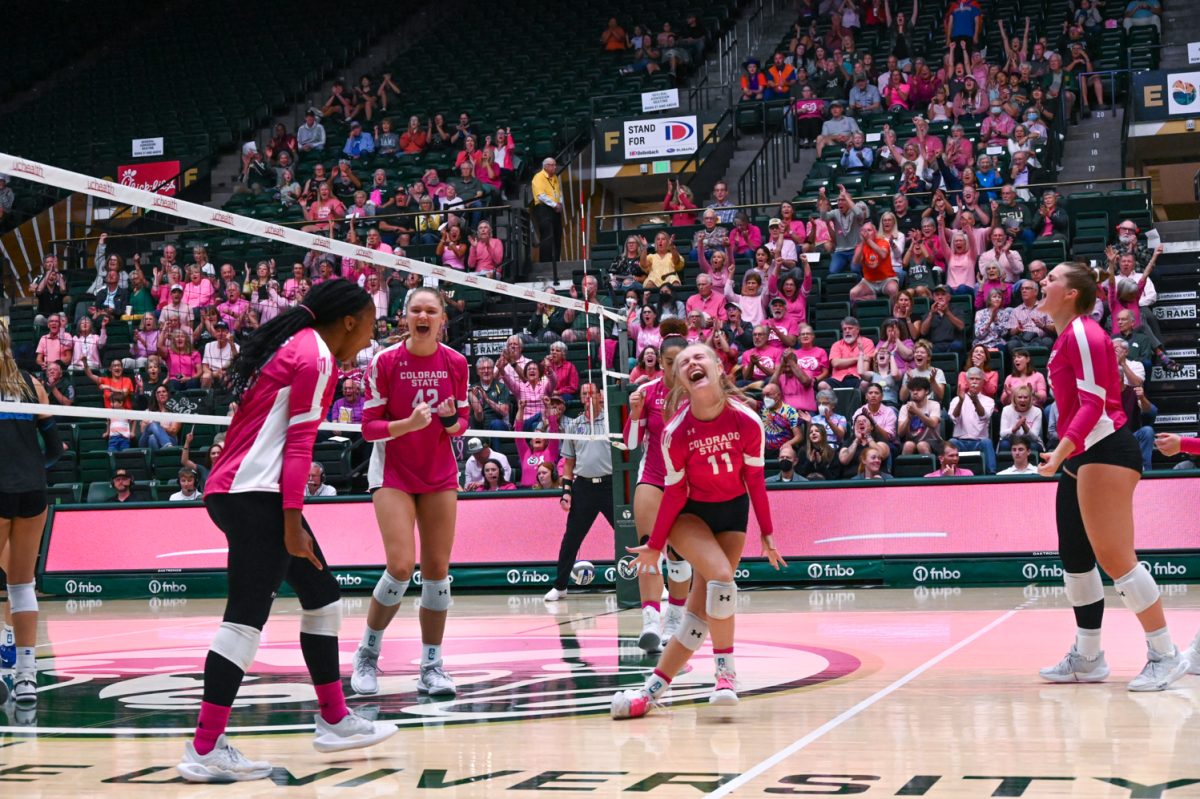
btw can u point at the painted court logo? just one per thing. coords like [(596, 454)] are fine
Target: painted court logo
[(155, 688)]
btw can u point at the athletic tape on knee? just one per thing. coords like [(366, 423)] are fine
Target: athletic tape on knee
[(322, 621), (389, 591), (1137, 589), (679, 571), (22, 598), (237, 643), (435, 594), (722, 599), (1084, 589), (692, 632)]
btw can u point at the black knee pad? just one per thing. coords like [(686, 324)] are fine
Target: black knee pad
[(1073, 546)]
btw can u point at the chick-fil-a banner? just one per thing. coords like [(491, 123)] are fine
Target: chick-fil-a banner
[(158, 177), (870, 521)]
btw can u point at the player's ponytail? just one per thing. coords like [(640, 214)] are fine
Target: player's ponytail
[(326, 302)]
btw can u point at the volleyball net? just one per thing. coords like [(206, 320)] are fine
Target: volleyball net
[(598, 317)]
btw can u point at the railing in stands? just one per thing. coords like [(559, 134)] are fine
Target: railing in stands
[(772, 163), (618, 219)]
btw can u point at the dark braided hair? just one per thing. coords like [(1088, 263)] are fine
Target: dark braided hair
[(325, 302)]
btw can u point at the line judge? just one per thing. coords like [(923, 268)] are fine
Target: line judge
[(587, 489)]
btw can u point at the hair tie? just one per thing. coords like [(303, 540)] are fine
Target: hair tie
[(309, 310)]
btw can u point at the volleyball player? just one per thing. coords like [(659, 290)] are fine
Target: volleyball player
[(413, 478), (23, 509), (713, 449), (1101, 465), (1171, 444), (644, 427), (284, 376)]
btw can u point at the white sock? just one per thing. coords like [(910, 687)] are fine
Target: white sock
[(7, 639), (431, 654), (1160, 642), (656, 685), (372, 640), (724, 662), (25, 659), (1087, 643)]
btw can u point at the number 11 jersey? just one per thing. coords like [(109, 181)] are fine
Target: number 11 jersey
[(422, 461)]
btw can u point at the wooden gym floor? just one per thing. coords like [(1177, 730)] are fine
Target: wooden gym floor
[(915, 692)]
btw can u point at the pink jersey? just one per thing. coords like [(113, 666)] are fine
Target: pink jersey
[(269, 445), (1190, 446), (647, 433), (397, 381), (1086, 383), (712, 461)]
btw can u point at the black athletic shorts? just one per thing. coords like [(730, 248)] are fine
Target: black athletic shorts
[(22, 505), (1118, 449), (722, 517)]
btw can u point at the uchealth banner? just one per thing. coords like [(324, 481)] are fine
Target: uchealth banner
[(989, 518), (45, 174), (158, 177)]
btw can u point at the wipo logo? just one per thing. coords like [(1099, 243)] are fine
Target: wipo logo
[(82, 587), (160, 587)]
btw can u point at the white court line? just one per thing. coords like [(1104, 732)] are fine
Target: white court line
[(870, 536), (837, 721)]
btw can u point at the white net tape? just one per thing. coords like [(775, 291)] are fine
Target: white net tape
[(107, 190)]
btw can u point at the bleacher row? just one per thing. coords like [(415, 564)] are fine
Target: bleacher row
[(166, 80)]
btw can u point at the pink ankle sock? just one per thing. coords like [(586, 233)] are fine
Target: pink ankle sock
[(726, 651), (213, 721), (665, 678), (656, 605), (332, 701), (677, 602)]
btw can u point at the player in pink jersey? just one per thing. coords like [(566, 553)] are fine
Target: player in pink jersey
[(713, 449), (414, 481), (1101, 465), (284, 377), (644, 428), (1171, 444)]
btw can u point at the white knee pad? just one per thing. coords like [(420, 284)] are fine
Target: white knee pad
[(1137, 589), (389, 591), (237, 643), (679, 571), (22, 598), (692, 632), (722, 599), (1084, 589), (322, 621), (435, 594)]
